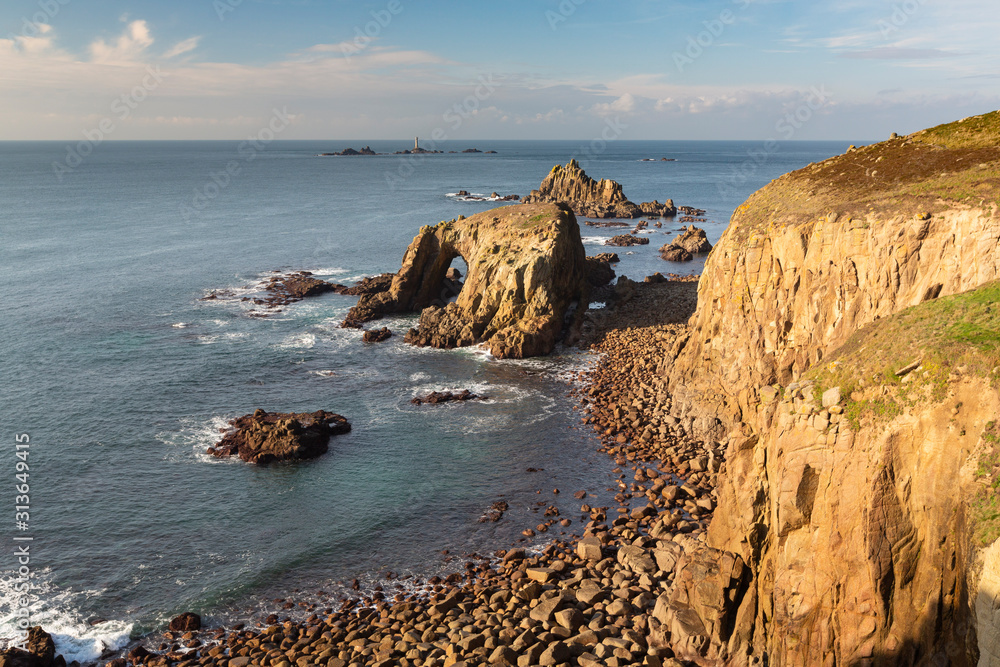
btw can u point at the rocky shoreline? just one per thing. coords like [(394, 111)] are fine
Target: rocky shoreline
[(599, 597)]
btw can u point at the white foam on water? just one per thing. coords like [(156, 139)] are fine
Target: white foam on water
[(597, 305), (57, 611), (335, 271), (180, 325), (420, 377), (192, 437), (595, 240), (324, 374), (209, 339), (302, 341)]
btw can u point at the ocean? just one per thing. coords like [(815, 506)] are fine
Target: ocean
[(117, 376)]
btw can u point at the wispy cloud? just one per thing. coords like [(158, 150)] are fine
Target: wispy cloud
[(186, 46), (897, 53)]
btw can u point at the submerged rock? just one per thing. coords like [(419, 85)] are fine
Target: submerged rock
[(267, 437), (526, 266), (436, 397)]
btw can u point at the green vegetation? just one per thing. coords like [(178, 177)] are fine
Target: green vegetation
[(974, 132), (985, 504), (958, 162), (937, 337)]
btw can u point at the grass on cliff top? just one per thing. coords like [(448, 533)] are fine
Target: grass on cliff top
[(942, 335), (958, 163)]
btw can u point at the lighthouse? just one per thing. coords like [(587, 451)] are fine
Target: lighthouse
[(416, 143)]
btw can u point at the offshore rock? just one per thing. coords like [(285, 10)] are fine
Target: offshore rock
[(526, 267), (268, 437), (593, 199), (675, 253), (694, 240), (377, 335), (626, 241)]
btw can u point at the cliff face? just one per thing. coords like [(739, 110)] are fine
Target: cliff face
[(857, 402), (590, 198), (526, 267), (823, 251)]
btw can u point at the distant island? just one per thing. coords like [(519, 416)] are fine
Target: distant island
[(416, 150)]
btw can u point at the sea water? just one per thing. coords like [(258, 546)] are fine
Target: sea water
[(122, 376)]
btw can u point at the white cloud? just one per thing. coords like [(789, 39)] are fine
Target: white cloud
[(129, 46)]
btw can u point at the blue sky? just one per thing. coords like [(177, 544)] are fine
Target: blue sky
[(569, 69)]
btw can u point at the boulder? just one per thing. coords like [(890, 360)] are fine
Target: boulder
[(700, 610), (675, 253), (590, 198), (436, 397), (377, 335), (39, 651), (610, 257), (599, 272), (186, 622), (526, 266), (626, 241), (267, 437), (694, 240)]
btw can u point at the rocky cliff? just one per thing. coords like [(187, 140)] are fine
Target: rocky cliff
[(527, 266), (593, 199), (838, 354), (820, 252)]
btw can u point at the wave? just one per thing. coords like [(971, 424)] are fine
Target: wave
[(303, 341), (595, 240), (57, 611), (473, 196), (193, 437)]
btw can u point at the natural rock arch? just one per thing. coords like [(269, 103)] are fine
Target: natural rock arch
[(526, 266)]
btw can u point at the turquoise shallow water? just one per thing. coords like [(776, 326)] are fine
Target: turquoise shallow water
[(122, 376)]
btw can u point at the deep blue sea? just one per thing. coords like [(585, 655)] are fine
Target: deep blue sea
[(121, 376)]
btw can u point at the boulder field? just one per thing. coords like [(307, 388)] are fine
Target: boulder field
[(526, 267)]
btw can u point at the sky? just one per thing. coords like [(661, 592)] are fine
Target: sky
[(519, 69)]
